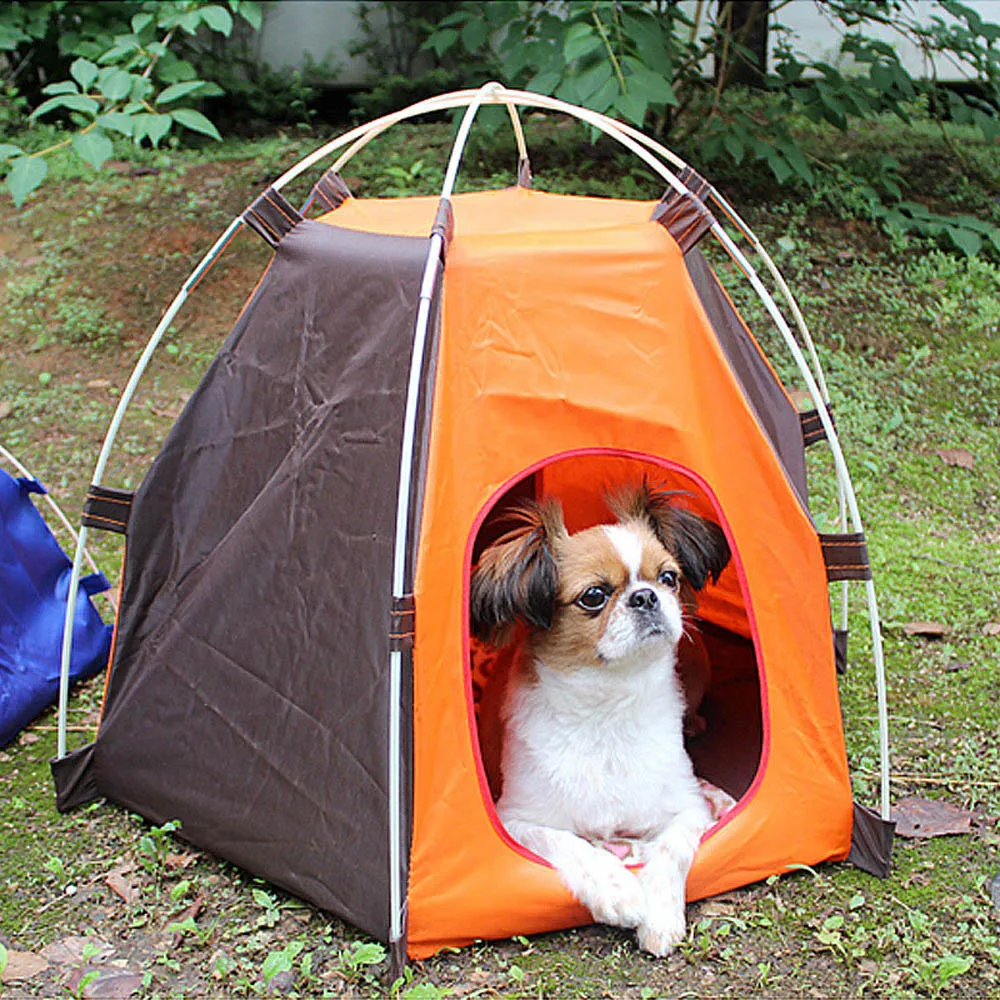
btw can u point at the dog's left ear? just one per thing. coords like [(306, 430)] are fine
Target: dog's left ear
[(699, 544)]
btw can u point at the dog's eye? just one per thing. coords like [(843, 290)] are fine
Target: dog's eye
[(668, 578), (593, 599)]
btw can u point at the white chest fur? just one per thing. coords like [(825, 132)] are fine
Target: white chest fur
[(597, 752)]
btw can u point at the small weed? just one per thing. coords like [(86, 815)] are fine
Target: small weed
[(269, 904), (154, 846), (356, 960), (278, 962)]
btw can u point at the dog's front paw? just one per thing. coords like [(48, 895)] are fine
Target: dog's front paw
[(660, 933), (719, 801), (612, 894)]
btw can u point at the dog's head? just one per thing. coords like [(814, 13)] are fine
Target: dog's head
[(612, 593)]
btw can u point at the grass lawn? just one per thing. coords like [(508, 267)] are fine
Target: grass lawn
[(908, 337)]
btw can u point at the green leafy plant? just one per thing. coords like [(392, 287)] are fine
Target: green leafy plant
[(645, 63), (154, 846), (125, 79), (278, 962)]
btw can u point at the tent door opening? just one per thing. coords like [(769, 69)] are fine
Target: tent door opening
[(728, 750)]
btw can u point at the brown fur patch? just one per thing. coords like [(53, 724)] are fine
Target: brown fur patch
[(587, 559)]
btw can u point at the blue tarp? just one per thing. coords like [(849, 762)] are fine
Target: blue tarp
[(34, 582)]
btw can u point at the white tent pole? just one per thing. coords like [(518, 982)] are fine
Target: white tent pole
[(102, 460), (432, 268), (374, 133)]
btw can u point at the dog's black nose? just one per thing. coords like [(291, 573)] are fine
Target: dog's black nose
[(643, 600)]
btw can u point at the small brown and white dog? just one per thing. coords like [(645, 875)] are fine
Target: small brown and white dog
[(595, 777)]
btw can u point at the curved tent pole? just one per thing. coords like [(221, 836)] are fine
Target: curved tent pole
[(374, 133), (432, 270), (102, 460)]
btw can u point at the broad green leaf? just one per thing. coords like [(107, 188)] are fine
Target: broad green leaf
[(94, 147), (62, 87), (170, 69), (150, 126), (589, 82), (26, 174), (441, 41), (966, 240), (114, 83), (141, 88), (734, 147), (779, 167), (474, 34), (218, 19), (141, 21), (581, 39), (655, 88), (195, 121), (7, 151), (603, 98), (11, 36), (178, 90), (190, 21), (631, 107), (84, 72), (117, 122), (72, 102), (545, 82), (251, 13)]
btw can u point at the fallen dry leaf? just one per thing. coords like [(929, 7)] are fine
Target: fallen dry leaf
[(28, 739), (955, 665), (180, 861), (23, 965), (956, 457), (991, 628), (70, 950), (105, 982), (6, 409), (929, 630), (122, 887), (919, 817)]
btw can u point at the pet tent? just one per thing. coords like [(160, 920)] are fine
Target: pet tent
[(293, 677), (34, 581)]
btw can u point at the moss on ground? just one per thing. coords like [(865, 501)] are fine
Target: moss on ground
[(909, 339)]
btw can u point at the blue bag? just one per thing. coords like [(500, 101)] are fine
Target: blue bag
[(34, 582)]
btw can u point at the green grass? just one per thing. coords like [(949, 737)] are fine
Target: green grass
[(908, 337)]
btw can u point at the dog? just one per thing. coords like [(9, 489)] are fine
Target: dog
[(595, 776)]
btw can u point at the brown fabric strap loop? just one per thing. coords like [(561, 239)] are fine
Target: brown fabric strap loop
[(330, 191), (272, 217), (846, 557), (523, 173), (685, 216), (812, 426), (444, 222), (107, 509), (403, 623)]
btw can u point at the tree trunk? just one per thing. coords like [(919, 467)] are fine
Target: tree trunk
[(743, 26)]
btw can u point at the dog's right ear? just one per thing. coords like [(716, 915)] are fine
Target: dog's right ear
[(517, 578)]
